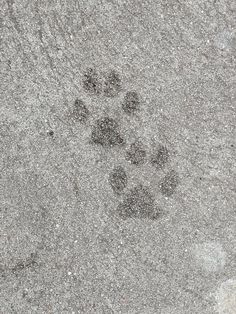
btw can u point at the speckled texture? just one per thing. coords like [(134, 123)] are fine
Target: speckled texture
[(164, 72)]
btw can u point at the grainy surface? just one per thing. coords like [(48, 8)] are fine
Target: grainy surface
[(158, 72)]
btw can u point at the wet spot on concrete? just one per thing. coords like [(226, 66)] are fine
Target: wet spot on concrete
[(226, 40), (210, 256), (226, 297)]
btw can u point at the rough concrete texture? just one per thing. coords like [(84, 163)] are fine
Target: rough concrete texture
[(118, 150)]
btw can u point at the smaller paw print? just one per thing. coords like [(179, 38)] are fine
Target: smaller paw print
[(138, 201)]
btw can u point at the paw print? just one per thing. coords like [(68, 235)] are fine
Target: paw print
[(118, 179), (92, 82), (136, 153), (169, 183), (80, 111), (112, 84), (106, 133), (108, 86), (131, 103), (136, 201)]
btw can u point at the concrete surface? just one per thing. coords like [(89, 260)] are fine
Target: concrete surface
[(118, 149)]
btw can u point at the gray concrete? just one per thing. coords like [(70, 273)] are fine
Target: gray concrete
[(118, 149)]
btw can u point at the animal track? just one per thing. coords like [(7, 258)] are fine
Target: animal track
[(106, 133), (136, 153), (92, 81), (112, 84), (160, 157), (80, 111), (137, 202), (118, 179), (131, 103), (169, 183)]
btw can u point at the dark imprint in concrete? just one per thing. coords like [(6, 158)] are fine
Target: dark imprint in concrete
[(92, 81), (138, 203), (118, 180), (136, 154), (169, 183), (80, 111), (28, 263), (106, 133), (131, 103), (51, 133), (160, 157), (112, 84)]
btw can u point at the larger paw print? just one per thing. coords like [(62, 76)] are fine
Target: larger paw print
[(137, 201)]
